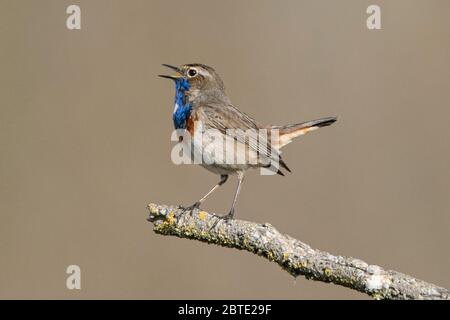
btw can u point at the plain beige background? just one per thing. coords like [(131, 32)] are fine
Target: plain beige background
[(85, 144)]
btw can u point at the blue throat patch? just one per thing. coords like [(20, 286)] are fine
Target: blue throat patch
[(182, 108)]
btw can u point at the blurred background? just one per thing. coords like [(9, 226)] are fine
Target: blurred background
[(85, 128)]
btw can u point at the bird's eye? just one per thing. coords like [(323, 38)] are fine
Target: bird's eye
[(192, 72)]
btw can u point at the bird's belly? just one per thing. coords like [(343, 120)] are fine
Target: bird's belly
[(220, 153)]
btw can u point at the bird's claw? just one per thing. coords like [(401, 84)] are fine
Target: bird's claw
[(191, 208), (225, 218), (229, 216)]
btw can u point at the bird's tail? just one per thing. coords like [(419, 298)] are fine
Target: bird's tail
[(291, 131)]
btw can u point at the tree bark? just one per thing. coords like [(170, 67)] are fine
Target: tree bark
[(292, 255)]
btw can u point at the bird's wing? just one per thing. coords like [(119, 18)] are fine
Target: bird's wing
[(223, 117)]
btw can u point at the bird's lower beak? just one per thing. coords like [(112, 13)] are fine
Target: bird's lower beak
[(174, 77)]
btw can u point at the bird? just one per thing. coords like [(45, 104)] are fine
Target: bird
[(202, 102)]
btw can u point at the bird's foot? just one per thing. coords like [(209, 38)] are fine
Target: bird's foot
[(229, 216), (191, 208), (225, 218)]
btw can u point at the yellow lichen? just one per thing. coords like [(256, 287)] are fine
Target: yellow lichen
[(303, 264), (377, 296), (202, 215), (285, 256), (170, 218), (327, 272), (270, 256)]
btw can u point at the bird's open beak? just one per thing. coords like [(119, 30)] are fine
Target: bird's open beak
[(174, 77)]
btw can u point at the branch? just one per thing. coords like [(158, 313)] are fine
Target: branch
[(292, 255)]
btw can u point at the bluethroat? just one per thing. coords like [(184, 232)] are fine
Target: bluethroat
[(201, 105)]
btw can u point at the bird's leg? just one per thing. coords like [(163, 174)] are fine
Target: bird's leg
[(240, 180), (223, 179)]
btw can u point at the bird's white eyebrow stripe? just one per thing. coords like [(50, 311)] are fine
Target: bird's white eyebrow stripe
[(201, 71)]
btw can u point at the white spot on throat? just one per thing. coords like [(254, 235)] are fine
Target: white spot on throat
[(175, 107)]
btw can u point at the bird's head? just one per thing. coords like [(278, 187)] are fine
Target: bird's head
[(196, 79)]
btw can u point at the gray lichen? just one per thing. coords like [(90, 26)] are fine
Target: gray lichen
[(294, 256)]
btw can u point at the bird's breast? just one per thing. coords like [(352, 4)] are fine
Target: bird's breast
[(191, 124)]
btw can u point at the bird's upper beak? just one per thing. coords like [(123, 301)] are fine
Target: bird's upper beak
[(174, 77)]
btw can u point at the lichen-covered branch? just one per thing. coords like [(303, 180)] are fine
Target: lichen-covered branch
[(292, 255)]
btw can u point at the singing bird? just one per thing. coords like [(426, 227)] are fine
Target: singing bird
[(201, 102)]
